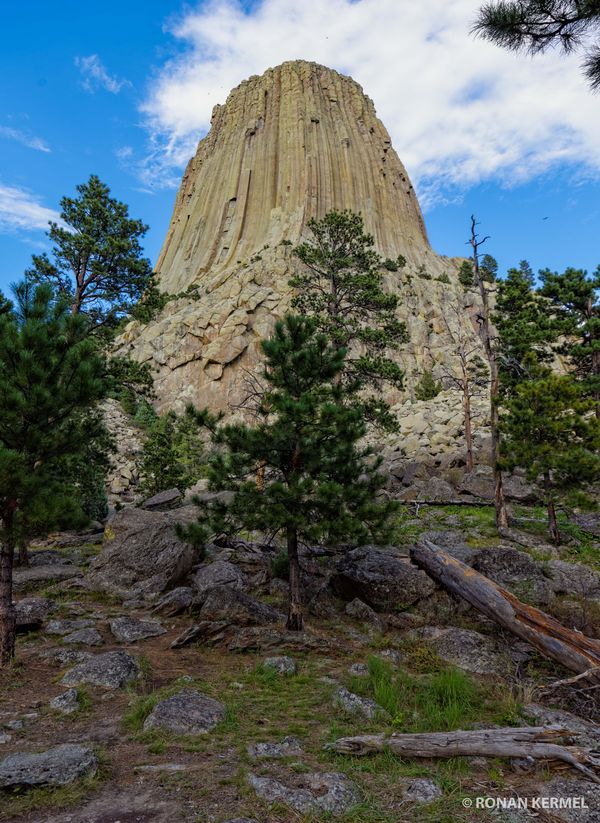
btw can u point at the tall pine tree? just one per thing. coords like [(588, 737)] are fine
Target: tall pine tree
[(341, 286), (575, 300), (97, 260), (318, 483), (50, 375)]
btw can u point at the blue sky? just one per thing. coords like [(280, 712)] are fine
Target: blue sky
[(125, 89)]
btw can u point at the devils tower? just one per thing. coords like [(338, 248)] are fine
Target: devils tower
[(287, 146)]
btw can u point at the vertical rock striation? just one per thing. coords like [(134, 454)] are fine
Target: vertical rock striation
[(289, 145)]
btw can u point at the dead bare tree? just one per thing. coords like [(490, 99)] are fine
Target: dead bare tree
[(486, 335), (471, 378)]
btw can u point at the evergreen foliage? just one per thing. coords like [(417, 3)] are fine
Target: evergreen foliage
[(575, 300), (534, 26), (97, 264), (318, 484), (428, 387), (548, 431), (173, 455), (525, 330), (341, 286), (50, 375)]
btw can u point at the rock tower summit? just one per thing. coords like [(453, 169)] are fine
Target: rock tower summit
[(289, 145)]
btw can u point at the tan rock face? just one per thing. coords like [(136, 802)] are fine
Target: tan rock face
[(290, 145)]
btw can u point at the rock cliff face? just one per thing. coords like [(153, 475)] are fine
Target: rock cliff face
[(287, 146)]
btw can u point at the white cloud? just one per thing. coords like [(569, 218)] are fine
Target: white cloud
[(28, 140), (95, 75), (20, 210), (459, 109)]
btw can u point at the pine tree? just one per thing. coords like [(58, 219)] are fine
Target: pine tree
[(575, 300), (534, 26), (428, 387), (341, 286), (49, 376), (525, 329), (548, 431), (318, 484), (98, 264), (173, 455)]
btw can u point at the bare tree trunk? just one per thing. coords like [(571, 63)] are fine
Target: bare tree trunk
[(7, 609), (539, 743), (467, 416), (570, 648), (295, 620), (485, 332), (552, 523), (23, 554)]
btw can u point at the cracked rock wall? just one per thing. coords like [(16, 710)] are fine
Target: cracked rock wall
[(289, 145)]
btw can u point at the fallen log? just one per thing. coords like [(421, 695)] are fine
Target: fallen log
[(540, 743), (570, 648)]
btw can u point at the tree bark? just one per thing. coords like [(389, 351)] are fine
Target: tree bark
[(23, 554), (7, 609), (295, 619), (537, 742), (485, 333), (552, 523), (571, 649), (467, 416)]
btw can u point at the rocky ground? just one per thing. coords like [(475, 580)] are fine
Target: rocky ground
[(150, 686)]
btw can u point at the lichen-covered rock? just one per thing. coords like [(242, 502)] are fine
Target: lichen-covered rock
[(355, 704), (187, 712), (516, 571), (316, 793), (174, 602), (131, 629), (289, 747), (65, 627), (66, 703), (282, 665), (84, 637), (31, 612), (467, 649), (112, 670), (142, 554), (363, 612), (56, 767), (219, 573), (225, 604), (421, 790), (383, 578)]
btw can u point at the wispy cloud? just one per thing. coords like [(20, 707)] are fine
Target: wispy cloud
[(21, 210), (95, 75), (460, 110), (25, 139)]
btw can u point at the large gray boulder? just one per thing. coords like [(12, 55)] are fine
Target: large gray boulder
[(163, 501), (516, 571), (112, 670), (218, 573), (187, 712), (226, 604), (55, 767), (142, 554), (480, 483), (383, 578), (131, 629), (31, 612), (174, 602)]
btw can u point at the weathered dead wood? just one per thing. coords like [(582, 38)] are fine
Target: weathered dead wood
[(571, 649), (540, 743)]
